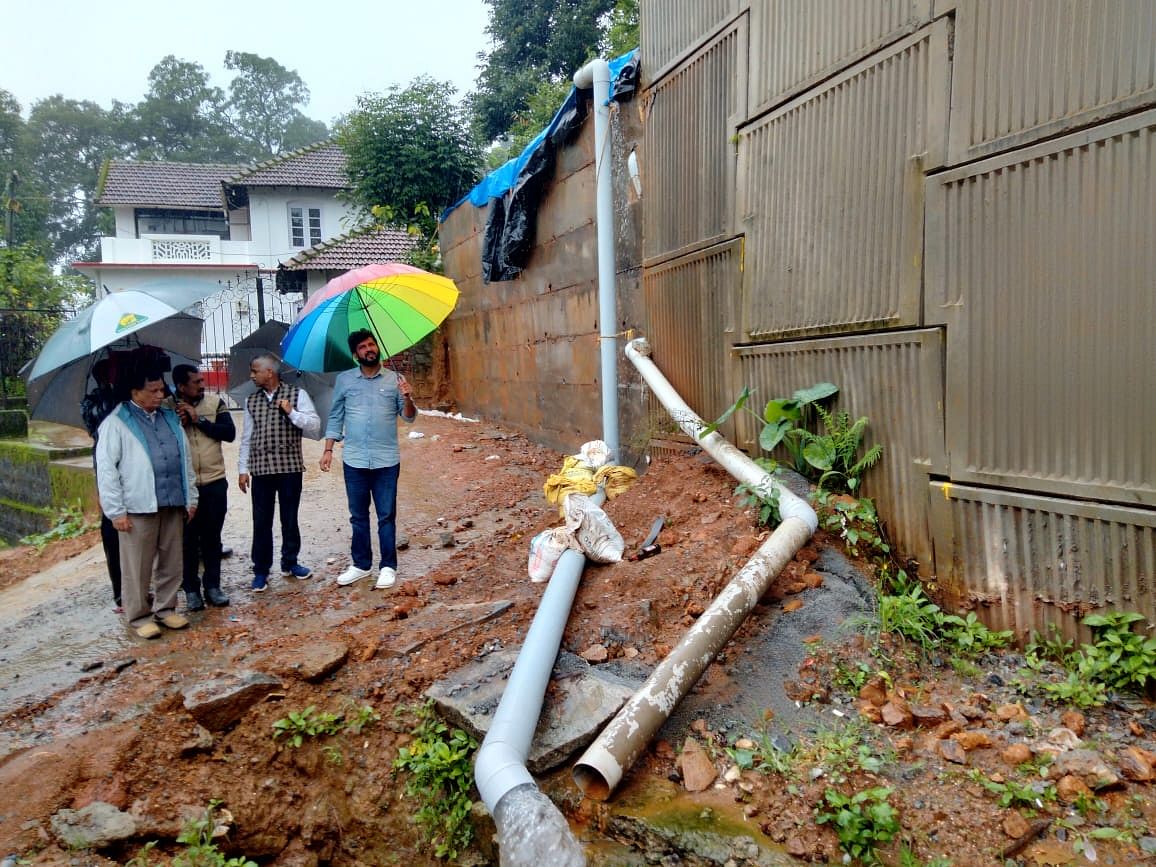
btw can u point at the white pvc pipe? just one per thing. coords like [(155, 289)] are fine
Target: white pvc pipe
[(596, 74), (602, 766)]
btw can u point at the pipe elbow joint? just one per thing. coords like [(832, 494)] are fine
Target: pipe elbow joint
[(594, 71), (793, 506), (639, 347), (498, 768)]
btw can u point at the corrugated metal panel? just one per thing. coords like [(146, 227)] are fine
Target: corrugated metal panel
[(896, 380), (1041, 264), (690, 308), (832, 195), (1026, 71), (688, 162), (670, 29), (1025, 561), (795, 43)]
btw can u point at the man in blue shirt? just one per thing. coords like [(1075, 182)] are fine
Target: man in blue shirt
[(367, 402)]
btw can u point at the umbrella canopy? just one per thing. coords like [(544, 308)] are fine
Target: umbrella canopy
[(56, 395), (400, 304), (266, 340), (116, 316)]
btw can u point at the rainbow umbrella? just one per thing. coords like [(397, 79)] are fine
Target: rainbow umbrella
[(400, 304)]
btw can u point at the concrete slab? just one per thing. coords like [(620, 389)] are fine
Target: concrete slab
[(580, 700), (439, 620)]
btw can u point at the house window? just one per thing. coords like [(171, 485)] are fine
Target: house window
[(302, 220), (174, 221)]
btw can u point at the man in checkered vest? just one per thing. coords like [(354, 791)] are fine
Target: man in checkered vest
[(277, 415)]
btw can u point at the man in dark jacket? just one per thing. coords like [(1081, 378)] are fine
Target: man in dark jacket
[(94, 409), (207, 424)]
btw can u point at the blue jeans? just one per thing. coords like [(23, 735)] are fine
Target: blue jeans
[(381, 485)]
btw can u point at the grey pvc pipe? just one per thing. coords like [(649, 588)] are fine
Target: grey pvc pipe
[(596, 74), (602, 766)]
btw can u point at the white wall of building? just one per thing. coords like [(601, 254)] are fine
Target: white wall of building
[(269, 220)]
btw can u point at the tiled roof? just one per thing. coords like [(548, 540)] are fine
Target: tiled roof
[(319, 165), (167, 184), (353, 250)]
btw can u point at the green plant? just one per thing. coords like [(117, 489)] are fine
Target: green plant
[(1081, 687), (1124, 659), (70, 523), (308, 723), (358, 718), (916, 618), (141, 858), (842, 751), (200, 850), (1086, 803), (333, 755), (783, 420), (438, 762), (908, 858), (311, 723), (855, 521), (834, 453), (862, 821), (1013, 794), (971, 637), (765, 498), (766, 757), (1052, 647), (851, 678)]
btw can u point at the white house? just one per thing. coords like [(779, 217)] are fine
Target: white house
[(236, 226)]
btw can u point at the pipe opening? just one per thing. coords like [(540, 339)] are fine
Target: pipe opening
[(591, 782)]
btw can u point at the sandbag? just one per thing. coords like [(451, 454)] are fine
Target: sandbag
[(593, 530), (545, 550)]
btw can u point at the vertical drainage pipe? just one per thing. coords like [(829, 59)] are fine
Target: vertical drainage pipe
[(602, 766), (596, 74), (531, 830)]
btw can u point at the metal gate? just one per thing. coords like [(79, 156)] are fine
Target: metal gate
[(240, 308)]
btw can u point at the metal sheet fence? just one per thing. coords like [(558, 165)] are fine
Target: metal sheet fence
[(893, 379), (1027, 71), (1040, 263), (831, 200), (670, 30), (689, 156), (795, 43)]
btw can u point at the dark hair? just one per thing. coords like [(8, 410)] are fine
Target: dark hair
[(139, 374), (358, 337), (181, 374)]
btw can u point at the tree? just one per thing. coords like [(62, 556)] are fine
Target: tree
[(182, 116), (264, 106), (409, 150), (67, 143), (533, 39), (32, 299), (622, 29)]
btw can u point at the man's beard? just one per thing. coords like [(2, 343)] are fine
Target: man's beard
[(370, 358)]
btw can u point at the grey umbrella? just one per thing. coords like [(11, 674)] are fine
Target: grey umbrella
[(266, 340), (56, 395)]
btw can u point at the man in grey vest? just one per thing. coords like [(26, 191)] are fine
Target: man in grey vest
[(277, 415), (146, 486)]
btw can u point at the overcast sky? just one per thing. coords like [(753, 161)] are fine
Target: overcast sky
[(340, 48)]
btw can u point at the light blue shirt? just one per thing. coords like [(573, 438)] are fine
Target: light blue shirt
[(364, 415)]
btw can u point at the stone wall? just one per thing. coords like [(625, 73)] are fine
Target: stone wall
[(36, 481)]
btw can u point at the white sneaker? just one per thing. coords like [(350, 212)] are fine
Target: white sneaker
[(351, 575), (385, 578)]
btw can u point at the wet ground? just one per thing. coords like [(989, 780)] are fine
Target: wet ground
[(89, 713)]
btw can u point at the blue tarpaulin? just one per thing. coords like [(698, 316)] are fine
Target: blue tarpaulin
[(515, 189)]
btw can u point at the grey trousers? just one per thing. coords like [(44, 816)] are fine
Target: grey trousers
[(151, 556)]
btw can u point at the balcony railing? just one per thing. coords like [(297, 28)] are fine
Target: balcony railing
[(176, 250)]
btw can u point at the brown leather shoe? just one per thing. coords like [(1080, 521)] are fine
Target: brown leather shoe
[(173, 621), (148, 630)]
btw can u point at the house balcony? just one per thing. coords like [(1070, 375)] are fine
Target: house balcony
[(177, 250)]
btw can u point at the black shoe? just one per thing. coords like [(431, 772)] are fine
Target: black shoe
[(193, 601), (226, 553), (216, 597)]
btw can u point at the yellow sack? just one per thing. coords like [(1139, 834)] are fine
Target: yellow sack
[(616, 479), (574, 477)]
